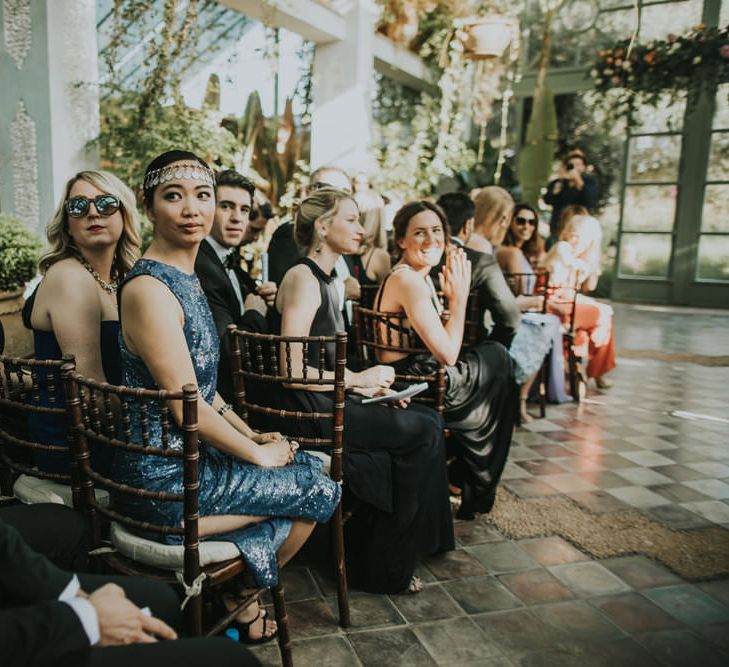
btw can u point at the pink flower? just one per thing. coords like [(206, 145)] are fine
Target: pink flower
[(671, 38), (724, 51), (615, 80)]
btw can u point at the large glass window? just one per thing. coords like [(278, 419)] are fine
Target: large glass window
[(650, 192), (713, 247)]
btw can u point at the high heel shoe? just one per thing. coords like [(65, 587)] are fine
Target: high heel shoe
[(244, 627)]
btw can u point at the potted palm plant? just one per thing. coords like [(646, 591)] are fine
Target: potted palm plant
[(19, 251)]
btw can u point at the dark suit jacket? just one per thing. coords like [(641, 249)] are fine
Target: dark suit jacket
[(35, 628), (225, 308), (283, 252), (494, 295)]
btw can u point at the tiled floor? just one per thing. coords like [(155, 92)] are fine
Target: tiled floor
[(657, 441)]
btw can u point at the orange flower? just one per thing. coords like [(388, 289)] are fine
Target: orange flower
[(601, 53), (620, 53), (651, 57), (608, 60)]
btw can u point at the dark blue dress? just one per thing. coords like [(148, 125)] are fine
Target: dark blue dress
[(51, 429), (228, 486)]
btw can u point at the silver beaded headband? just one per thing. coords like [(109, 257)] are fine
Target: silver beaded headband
[(193, 170)]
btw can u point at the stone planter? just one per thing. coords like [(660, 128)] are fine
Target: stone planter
[(18, 339), (489, 36)]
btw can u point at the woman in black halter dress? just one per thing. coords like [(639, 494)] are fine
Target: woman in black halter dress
[(394, 459), (481, 397)]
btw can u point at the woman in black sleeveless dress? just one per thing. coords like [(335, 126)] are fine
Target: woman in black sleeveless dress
[(481, 398), (394, 459)]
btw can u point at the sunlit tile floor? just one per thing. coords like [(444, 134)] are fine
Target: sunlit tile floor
[(657, 441)]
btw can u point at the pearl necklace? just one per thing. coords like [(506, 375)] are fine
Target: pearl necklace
[(109, 288)]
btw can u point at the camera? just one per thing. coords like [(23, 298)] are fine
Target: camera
[(570, 166)]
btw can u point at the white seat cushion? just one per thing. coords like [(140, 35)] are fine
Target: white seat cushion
[(323, 457), (32, 490), (167, 556)]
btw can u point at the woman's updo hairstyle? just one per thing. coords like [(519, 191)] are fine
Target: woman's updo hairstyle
[(163, 160), (403, 217), (320, 205)]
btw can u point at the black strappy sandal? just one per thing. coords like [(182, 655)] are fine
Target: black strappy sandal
[(244, 629)]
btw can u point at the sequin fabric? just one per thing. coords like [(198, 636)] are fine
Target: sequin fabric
[(227, 485)]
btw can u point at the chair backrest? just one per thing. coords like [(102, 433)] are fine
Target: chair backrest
[(563, 300), (266, 360), (367, 295), (107, 415), (377, 331), (31, 389)]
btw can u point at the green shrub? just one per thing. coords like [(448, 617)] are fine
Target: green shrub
[(19, 252)]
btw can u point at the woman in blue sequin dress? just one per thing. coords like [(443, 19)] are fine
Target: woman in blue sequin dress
[(256, 490)]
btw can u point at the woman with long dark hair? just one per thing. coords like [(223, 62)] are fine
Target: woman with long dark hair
[(394, 459), (481, 395)]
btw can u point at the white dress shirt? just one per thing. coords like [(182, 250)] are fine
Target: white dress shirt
[(83, 609), (222, 252)]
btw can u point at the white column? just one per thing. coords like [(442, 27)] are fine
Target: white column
[(48, 102), (73, 73), (342, 90)]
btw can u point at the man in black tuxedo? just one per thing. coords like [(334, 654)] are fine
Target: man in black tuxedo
[(233, 296), (499, 315), (52, 617)]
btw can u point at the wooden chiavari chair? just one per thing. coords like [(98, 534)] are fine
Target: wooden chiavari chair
[(30, 389), (199, 567), (257, 360)]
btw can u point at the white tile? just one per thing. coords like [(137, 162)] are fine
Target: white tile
[(710, 487), (513, 471), (647, 458), (711, 468), (713, 510), (650, 442), (639, 497), (568, 483), (642, 476)]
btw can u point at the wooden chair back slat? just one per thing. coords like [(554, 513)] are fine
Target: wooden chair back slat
[(84, 397), (388, 332), (30, 389)]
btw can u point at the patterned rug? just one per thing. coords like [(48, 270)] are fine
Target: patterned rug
[(700, 553), (675, 357)]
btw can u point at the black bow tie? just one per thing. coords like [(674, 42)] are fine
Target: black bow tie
[(232, 260)]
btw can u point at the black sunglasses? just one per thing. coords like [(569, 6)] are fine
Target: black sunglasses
[(106, 205), (525, 221)]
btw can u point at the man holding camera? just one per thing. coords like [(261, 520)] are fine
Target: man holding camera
[(574, 186)]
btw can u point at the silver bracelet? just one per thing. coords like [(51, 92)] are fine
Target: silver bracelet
[(224, 408)]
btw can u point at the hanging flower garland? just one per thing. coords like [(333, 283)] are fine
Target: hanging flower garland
[(675, 66)]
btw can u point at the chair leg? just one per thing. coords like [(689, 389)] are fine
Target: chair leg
[(543, 386), (572, 363), (282, 621), (337, 537), (193, 616)]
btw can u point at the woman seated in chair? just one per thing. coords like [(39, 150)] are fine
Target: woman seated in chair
[(94, 241), (481, 396), (394, 459), (520, 252), (256, 490), (575, 261)]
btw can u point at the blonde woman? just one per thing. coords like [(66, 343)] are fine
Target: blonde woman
[(575, 260), (94, 241), (394, 459), (492, 217)]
